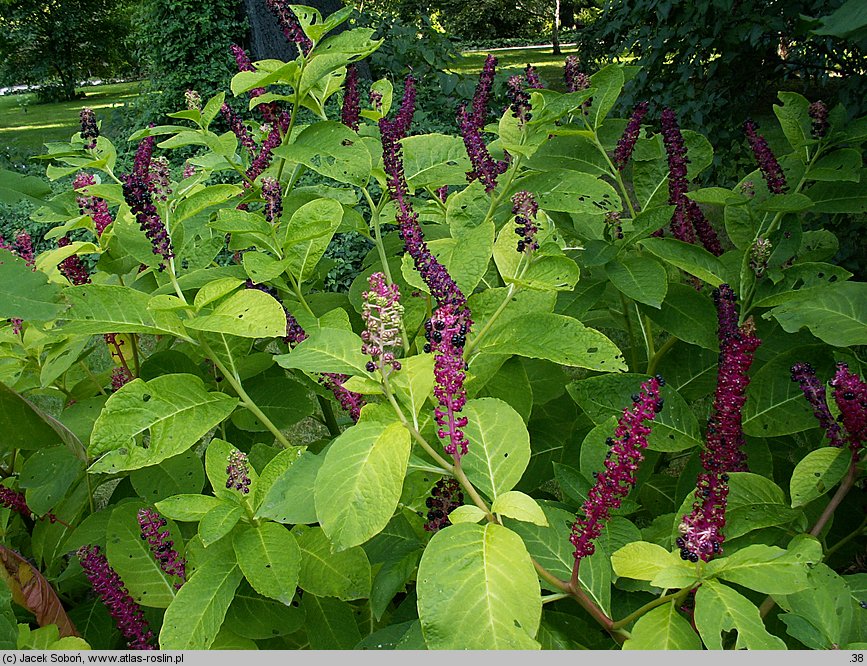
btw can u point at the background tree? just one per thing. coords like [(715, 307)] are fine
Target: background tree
[(60, 42)]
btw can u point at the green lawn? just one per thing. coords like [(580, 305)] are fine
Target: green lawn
[(514, 60), (26, 125)]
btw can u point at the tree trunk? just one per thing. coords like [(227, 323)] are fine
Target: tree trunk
[(268, 41), (555, 31)]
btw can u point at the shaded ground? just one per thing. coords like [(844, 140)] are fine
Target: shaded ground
[(514, 60)]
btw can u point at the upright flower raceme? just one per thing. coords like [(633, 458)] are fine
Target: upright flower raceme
[(770, 168), (270, 110), (850, 394), (351, 109), (621, 465), (158, 178), (273, 139), (382, 314), (289, 24), (525, 208), (72, 268), (239, 129), (818, 113), (519, 98), (626, 144), (193, 100), (444, 498), (238, 472), (156, 534), (472, 122), (814, 391), (760, 252), (273, 197), (447, 330), (701, 532), (576, 80), (137, 194), (89, 129), (532, 76), (110, 588), (96, 207)]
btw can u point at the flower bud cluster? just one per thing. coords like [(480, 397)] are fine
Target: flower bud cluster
[(814, 391), (193, 100), (89, 128), (72, 268), (760, 252), (382, 314), (110, 588), (770, 167), (238, 472), (621, 465), (96, 207), (351, 109), (137, 194), (525, 208), (445, 497), (158, 539)]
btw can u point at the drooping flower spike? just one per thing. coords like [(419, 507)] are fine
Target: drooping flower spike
[(626, 144), (110, 588), (156, 534), (814, 391), (621, 465)]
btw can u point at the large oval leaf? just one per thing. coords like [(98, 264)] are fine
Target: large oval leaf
[(270, 559), (360, 481), (478, 590)]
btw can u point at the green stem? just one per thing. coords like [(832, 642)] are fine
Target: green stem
[(92, 377), (646, 333), (614, 172), (521, 270), (471, 491), (660, 353), (547, 599), (846, 539), (674, 596), (328, 413), (631, 332)]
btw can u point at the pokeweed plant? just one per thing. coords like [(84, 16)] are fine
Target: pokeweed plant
[(558, 397)]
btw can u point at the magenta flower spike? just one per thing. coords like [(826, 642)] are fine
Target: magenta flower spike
[(702, 530), (382, 314), (621, 465), (850, 394), (158, 539), (239, 129), (137, 194), (626, 144), (677, 182), (351, 109), (472, 122), (768, 164), (482, 95), (89, 128), (533, 80), (261, 162), (446, 333), (289, 25), (96, 207), (350, 401), (72, 268), (814, 391), (519, 98), (110, 588)]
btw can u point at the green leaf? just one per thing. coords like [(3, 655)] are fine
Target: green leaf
[(839, 196), (345, 575), (570, 192), (549, 268), (675, 428), (194, 618), (817, 473), (177, 410), (179, 475), (274, 470), (640, 560), (27, 294), (219, 521), (187, 508), (718, 608), (47, 475), (519, 506), (607, 84), (766, 569), (331, 149), (289, 500), (663, 628), (468, 513), (102, 308), (837, 315), (577, 153), (216, 458), (283, 400), (841, 165), (131, 557), (24, 425), (360, 481), (556, 338), (641, 278), (477, 589), (413, 384), (248, 314), (203, 199), (308, 234), (821, 616), (270, 559), (434, 160), (254, 616), (327, 350), (330, 623), (794, 119), (693, 259), (499, 446)]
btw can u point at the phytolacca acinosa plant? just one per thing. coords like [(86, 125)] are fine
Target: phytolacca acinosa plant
[(289, 24), (688, 219), (814, 391), (445, 497), (121, 606), (270, 111), (516, 90), (472, 122), (72, 268), (621, 465), (89, 129), (382, 314), (576, 80), (350, 112), (238, 472), (447, 330), (850, 394), (239, 129), (155, 532), (768, 164), (701, 532), (295, 334), (15, 500), (626, 144), (273, 198), (532, 76), (818, 113), (137, 194), (96, 207)]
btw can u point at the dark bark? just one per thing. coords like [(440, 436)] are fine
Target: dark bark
[(267, 40), (555, 31)]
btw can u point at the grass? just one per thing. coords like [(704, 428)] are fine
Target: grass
[(514, 60), (26, 125)]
